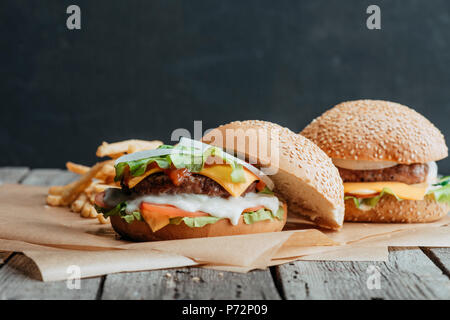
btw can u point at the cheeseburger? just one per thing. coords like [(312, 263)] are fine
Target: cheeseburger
[(194, 189), (386, 154)]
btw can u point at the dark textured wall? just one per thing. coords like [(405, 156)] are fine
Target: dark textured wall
[(143, 68)]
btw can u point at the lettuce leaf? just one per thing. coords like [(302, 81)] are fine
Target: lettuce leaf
[(263, 214), (356, 200), (249, 218), (442, 193), (190, 158), (443, 181), (136, 215), (119, 210), (195, 159), (195, 222), (190, 161), (372, 202), (237, 175), (138, 167), (266, 191), (260, 215), (165, 146)]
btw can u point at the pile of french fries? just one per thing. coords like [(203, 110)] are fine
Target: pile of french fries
[(79, 195)]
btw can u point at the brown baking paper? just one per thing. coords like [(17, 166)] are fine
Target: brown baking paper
[(55, 263), (335, 253), (430, 234), (56, 238), (357, 242)]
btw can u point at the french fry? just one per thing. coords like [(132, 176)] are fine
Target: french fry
[(139, 145), (90, 188), (90, 192), (77, 168), (80, 195), (92, 197), (93, 213), (109, 170), (127, 146), (71, 193), (102, 187), (86, 210), (116, 155), (78, 204), (107, 173), (58, 190), (102, 219), (54, 200)]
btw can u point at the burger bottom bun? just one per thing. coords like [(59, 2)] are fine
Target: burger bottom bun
[(389, 209), (140, 230)]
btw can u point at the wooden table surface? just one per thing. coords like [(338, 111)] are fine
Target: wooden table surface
[(410, 273)]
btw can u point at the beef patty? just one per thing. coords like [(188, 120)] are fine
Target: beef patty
[(160, 183), (410, 174)]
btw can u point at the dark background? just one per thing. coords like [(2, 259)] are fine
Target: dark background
[(140, 69)]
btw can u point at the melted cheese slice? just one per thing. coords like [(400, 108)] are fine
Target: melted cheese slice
[(220, 173), (155, 221), (135, 180), (401, 190)]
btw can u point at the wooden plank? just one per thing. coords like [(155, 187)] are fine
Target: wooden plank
[(441, 257), (190, 283), (12, 174), (18, 277), (49, 177), (408, 274), (19, 280)]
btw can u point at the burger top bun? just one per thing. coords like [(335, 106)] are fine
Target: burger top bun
[(303, 174), (376, 130)]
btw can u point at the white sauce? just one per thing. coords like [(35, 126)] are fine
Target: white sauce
[(432, 172), (230, 208)]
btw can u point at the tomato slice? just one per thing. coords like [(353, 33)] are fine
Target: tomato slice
[(172, 211), (177, 175), (169, 211), (252, 209), (260, 185)]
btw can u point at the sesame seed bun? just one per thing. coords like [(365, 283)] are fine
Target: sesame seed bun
[(365, 131), (305, 176), (389, 209), (140, 231), (376, 130)]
